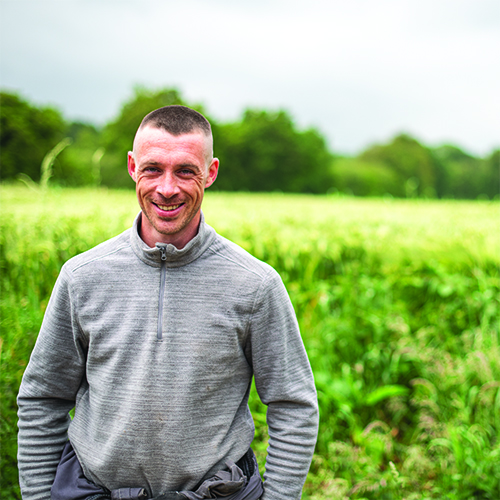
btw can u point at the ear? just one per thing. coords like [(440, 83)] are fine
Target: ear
[(213, 170), (131, 165)]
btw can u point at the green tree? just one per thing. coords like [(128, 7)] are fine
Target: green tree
[(459, 169), (467, 176), (265, 152), (79, 164), (27, 134), (491, 182), (417, 169), (362, 178)]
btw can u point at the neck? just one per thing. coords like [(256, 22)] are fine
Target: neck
[(179, 239)]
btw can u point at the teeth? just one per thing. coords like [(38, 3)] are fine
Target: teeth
[(169, 208)]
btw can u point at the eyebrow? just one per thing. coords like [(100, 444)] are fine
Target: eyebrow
[(153, 163), (190, 165)]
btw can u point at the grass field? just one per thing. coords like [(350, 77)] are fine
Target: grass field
[(398, 303)]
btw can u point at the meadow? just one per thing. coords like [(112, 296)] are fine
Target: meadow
[(398, 303)]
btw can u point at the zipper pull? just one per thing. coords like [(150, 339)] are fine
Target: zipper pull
[(163, 252)]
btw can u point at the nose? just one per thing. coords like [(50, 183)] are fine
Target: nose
[(168, 185)]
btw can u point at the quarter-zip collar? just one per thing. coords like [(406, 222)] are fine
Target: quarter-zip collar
[(173, 256)]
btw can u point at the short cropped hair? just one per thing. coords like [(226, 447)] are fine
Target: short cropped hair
[(177, 120)]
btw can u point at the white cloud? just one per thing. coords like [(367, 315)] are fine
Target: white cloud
[(359, 70)]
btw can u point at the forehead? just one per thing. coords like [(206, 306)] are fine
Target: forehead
[(158, 144)]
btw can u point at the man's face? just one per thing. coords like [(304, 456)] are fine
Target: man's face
[(171, 174)]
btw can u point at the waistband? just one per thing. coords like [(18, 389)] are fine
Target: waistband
[(239, 481)]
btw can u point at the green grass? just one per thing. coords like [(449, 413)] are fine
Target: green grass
[(398, 303)]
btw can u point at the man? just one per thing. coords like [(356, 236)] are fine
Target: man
[(153, 337)]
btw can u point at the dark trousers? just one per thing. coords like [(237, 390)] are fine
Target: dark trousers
[(239, 481)]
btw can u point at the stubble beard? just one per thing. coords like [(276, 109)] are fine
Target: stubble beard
[(169, 227)]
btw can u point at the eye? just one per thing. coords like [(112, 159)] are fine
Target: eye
[(151, 169), (186, 171)]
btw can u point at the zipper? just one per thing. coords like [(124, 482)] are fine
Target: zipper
[(163, 278)]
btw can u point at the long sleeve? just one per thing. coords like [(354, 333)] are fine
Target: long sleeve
[(284, 382), (47, 394)]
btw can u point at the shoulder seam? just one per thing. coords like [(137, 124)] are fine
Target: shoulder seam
[(240, 264), (125, 245)]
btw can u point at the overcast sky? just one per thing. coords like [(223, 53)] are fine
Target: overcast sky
[(358, 70)]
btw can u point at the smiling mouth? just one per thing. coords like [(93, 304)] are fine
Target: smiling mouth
[(168, 208)]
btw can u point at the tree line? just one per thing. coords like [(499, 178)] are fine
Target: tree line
[(262, 151)]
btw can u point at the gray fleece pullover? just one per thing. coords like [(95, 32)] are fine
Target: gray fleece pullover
[(156, 347)]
